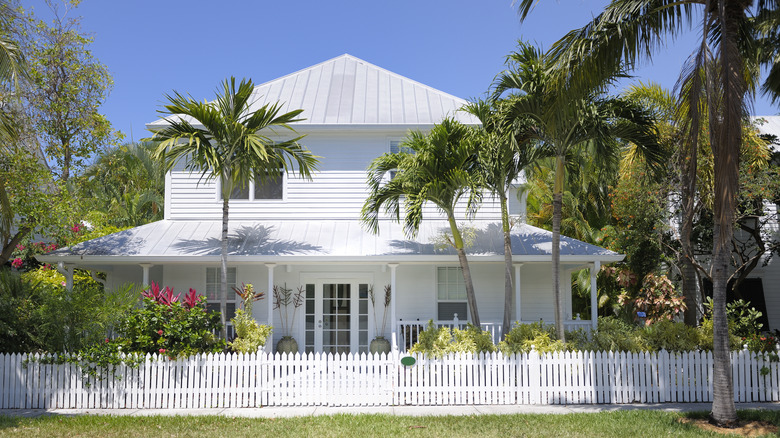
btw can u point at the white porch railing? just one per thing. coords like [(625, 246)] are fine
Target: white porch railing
[(409, 331)]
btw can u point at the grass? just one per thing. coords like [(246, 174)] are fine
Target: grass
[(607, 424)]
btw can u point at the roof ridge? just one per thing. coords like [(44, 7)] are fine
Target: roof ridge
[(355, 58)]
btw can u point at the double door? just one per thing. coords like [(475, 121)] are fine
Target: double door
[(336, 313)]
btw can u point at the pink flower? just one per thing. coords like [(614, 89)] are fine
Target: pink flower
[(106, 340), (76, 228), (20, 247), (17, 263), (159, 332), (162, 351)]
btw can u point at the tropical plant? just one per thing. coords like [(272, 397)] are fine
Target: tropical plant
[(228, 140), (441, 341), (441, 170), (250, 335), (504, 151), (721, 71), (284, 297), (385, 307), (567, 122)]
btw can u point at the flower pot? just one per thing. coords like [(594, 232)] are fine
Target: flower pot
[(379, 345), (287, 344)]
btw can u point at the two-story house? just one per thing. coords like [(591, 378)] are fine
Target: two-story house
[(308, 234)]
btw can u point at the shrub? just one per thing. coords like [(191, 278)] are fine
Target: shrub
[(250, 335), (706, 339), (614, 334), (523, 337), (442, 341), (164, 325), (670, 336), (743, 319)]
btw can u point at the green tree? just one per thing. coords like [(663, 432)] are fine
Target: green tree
[(504, 151), (126, 185), (720, 71), (440, 170), (567, 123), (228, 141), (68, 85)]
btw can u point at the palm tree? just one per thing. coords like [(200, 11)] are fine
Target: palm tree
[(719, 72), (505, 150), (227, 140), (441, 170), (567, 123)]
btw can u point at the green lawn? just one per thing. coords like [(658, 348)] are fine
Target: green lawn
[(622, 424)]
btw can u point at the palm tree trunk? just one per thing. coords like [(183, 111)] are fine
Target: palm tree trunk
[(223, 279), (556, 245), (506, 324), (464, 267), (723, 409), (688, 191)]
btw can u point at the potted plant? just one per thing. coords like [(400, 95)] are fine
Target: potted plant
[(379, 344), (283, 299)]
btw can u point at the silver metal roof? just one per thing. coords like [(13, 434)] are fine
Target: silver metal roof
[(308, 241), (349, 91), (770, 125)]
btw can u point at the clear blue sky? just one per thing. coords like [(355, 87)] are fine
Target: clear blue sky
[(457, 46)]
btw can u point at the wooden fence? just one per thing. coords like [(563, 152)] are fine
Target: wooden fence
[(233, 380)]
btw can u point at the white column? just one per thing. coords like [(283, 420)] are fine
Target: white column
[(66, 269), (145, 267), (518, 305), (393, 297), (594, 295), (270, 293)]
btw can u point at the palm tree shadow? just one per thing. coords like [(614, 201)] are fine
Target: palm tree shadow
[(247, 240)]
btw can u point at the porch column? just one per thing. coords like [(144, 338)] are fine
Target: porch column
[(66, 269), (518, 306), (594, 295), (145, 267), (270, 292), (393, 296)]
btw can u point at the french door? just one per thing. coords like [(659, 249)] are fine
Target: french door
[(336, 315)]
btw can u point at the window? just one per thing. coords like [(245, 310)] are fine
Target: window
[(450, 294), (260, 189), (395, 147), (215, 301)]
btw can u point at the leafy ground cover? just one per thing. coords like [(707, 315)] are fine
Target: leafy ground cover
[(606, 424)]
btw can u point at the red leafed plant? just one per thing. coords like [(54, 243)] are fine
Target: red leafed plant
[(657, 298), (192, 299), (164, 296)]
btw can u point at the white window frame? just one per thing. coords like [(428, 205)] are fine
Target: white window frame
[(231, 297), (251, 197), (459, 281)]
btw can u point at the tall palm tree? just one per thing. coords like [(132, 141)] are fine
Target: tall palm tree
[(720, 72), (228, 141), (566, 123), (440, 170), (504, 151)]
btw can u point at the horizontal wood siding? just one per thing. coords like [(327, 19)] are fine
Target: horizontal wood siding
[(337, 191)]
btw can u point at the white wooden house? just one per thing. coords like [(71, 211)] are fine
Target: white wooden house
[(307, 233)]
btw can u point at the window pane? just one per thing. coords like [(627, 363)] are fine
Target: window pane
[(269, 187), (240, 193), (447, 311)]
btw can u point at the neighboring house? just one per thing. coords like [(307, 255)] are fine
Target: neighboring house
[(308, 234)]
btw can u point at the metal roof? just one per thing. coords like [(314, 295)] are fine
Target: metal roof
[(302, 241), (349, 91)]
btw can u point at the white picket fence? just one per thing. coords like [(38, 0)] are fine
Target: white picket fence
[(233, 380)]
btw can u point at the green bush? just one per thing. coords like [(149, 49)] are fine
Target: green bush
[(523, 337), (614, 334), (670, 336), (166, 326), (439, 342), (250, 335), (706, 339), (743, 319)]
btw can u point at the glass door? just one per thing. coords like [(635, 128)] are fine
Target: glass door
[(336, 316)]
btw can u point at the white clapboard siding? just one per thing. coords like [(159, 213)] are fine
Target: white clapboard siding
[(329, 195), (263, 379)]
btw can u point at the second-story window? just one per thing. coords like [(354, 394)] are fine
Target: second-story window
[(260, 189)]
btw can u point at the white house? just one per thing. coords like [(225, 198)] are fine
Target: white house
[(307, 233)]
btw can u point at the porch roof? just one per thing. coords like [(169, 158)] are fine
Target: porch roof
[(300, 241)]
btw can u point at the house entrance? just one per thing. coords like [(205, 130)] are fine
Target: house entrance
[(336, 316)]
